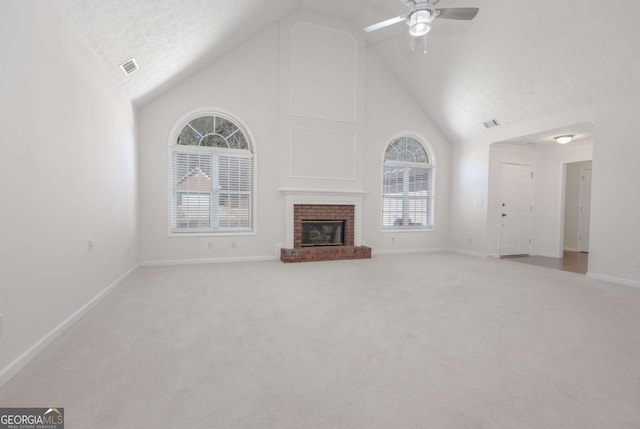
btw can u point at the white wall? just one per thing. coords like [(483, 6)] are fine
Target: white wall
[(254, 82), (614, 241), (389, 111), (245, 82), (470, 178), (322, 90), (548, 192), (469, 198), (572, 204), (68, 173), (615, 252)]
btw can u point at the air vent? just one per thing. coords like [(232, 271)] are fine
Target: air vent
[(492, 123), (129, 67)]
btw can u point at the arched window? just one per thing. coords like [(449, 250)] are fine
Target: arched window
[(211, 175), (407, 189)]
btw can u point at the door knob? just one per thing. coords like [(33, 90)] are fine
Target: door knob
[(504, 215)]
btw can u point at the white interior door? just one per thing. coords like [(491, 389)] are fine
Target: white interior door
[(585, 210), (516, 214)]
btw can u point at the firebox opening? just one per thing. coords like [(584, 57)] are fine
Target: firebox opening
[(322, 233)]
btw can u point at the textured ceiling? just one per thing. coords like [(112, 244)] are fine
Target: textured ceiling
[(519, 61), (581, 132), (516, 62), (168, 38)]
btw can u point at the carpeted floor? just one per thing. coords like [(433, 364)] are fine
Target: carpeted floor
[(407, 341)]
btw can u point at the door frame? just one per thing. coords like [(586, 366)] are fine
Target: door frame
[(499, 213), (581, 225), (562, 203)]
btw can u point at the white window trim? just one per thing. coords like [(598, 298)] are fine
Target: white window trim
[(175, 130), (432, 164)]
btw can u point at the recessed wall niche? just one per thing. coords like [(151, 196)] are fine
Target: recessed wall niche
[(321, 104), (323, 73)]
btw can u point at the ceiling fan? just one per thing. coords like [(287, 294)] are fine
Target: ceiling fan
[(421, 14)]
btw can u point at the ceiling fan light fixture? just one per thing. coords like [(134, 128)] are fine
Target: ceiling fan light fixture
[(419, 22), (563, 139)]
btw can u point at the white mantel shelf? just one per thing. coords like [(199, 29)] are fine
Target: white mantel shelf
[(341, 192)]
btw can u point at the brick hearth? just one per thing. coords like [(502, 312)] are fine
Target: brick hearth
[(324, 253)]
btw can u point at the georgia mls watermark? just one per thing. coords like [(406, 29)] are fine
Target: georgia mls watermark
[(31, 418)]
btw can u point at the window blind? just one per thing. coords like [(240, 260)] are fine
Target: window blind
[(407, 197), (212, 192), (235, 205)]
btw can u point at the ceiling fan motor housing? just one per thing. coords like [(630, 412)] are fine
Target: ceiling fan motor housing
[(419, 21)]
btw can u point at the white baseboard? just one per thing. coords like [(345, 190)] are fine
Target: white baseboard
[(616, 280), (404, 251), (166, 262), (23, 360), (468, 253)]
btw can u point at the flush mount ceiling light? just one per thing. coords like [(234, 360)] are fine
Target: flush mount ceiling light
[(564, 139)]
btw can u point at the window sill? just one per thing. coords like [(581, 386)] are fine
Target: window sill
[(173, 234), (408, 229)]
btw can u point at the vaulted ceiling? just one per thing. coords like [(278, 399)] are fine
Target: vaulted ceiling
[(517, 61)]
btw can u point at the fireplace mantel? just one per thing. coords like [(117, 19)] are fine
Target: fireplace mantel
[(323, 196), (329, 192)]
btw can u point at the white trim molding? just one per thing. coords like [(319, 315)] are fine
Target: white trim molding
[(172, 147), (405, 251), (169, 262), (293, 108), (616, 280), (433, 172), (298, 191)]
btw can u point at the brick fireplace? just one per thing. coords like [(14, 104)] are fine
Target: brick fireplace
[(320, 214)]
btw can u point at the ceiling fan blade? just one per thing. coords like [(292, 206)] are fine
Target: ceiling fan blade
[(462, 13), (386, 23)]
